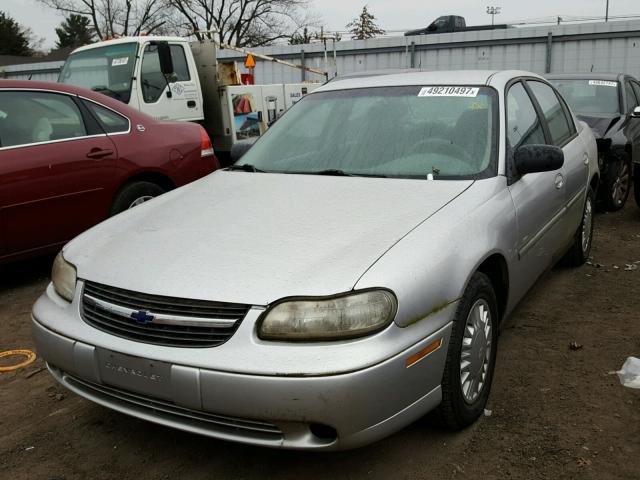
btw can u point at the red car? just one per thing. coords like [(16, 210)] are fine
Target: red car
[(70, 158)]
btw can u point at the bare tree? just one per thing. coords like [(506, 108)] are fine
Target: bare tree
[(116, 17), (244, 22)]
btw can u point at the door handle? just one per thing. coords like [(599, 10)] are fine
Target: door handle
[(98, 153), (559, 181)]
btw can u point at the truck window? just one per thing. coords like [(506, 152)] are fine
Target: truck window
[(107, 70), (151, 78)]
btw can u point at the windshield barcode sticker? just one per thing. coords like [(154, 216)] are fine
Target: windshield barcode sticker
[(602, 83), (449, 92), (119, 61)]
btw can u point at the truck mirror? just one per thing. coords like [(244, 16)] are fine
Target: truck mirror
[(166, 62)]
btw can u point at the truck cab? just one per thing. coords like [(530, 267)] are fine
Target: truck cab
[(172, 79), (447, 24), (128, 69)]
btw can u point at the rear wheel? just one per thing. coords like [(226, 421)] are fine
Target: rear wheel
[(581, 247), (618, 183), (134, 194), (471, 357)]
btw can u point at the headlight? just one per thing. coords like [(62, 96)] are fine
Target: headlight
[(329, 318), (63, 276)]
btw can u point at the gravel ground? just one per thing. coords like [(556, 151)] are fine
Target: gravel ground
[(555, 412)]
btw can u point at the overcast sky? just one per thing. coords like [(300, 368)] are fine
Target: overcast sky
[(392, 15)]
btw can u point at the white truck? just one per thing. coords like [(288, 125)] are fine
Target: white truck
[(171, 78)]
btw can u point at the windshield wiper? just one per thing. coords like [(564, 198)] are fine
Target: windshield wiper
[(245, 167), (334, 172), (101, 88)]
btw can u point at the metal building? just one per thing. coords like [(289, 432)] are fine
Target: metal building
[(597, 47)]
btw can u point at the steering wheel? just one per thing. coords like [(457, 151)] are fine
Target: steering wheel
[(443, 147)]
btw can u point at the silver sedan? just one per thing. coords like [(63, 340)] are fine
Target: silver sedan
[(344, 277)]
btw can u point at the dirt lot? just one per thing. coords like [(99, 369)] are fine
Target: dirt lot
[(556, 413)]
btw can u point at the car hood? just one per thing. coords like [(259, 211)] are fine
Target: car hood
[(254, 237), (600, 124)]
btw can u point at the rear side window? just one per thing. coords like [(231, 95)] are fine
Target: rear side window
[(28, 117), (110, 121), (523, 124), (560, 126)]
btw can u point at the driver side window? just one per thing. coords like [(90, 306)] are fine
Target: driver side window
[(523, 124), (152, 79)]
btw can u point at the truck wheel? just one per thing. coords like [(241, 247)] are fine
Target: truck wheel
[(581, 247), (134, 194), (471, 358), (618, 183)]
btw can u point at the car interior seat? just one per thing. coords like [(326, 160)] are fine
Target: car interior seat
[(42, 130)]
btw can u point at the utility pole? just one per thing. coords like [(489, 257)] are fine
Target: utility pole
[(606, 17), (493, 11)]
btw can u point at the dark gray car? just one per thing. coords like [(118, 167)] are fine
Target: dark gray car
[(608, 102)]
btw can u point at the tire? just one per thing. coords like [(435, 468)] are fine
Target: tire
[(459, 407), (134, 193), (616, 187), (579, 252)]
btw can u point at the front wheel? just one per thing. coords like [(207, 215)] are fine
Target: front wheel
[(471, 357), (618, 183), (134, 194), (581, 247)]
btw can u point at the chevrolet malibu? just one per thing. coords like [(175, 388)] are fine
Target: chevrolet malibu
[(344, 277)]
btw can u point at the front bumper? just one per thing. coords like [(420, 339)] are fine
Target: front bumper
[(359, 407)]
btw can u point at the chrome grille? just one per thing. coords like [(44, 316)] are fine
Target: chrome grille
[(208, 423), (176, 322)]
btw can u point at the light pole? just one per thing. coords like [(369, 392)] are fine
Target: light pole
[(493, 11), (606, 17)]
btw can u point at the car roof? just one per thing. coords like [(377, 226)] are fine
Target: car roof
[(138, 39), (392, 78), (613, 77), (73, 90)]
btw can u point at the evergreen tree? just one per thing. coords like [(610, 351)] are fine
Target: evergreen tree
[(74, 32), (364, 26), (14, 39)]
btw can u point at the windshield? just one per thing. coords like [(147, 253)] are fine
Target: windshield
[(407, 132), (589, 96), (107, 70)]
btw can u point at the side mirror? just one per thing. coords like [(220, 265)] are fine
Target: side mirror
[(538, 158), (239, 149), (636, 113), (166, 62)]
